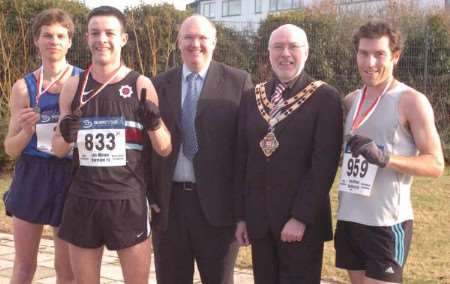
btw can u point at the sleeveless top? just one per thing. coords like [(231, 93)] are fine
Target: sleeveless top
[(49, 105), (118, 100), (390, 200)]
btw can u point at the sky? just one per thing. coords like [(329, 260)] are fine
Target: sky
[(121, 4)]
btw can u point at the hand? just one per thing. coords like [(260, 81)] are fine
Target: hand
[(155, 208), (241, 234), (293, 231), (360, 145), (69, 127), (28, 119), (148, 112)]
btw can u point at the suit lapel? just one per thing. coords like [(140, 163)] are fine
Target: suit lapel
[(211, 86), (174, 95), (303, 81)]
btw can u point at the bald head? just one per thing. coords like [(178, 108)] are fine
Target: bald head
[(297, 32), (197, 41), (198, 20), (288, 51)]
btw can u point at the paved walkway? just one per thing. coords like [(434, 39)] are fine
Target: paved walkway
[(110, 271)]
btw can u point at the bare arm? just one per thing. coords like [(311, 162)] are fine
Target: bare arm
[(60, 146), (160, 138), (22, 124), (416, 113)]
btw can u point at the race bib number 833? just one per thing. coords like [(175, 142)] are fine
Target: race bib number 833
[(101, 142)]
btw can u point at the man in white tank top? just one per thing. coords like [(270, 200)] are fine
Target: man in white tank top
[(390, 137)]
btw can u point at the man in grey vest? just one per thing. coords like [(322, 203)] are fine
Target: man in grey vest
[(390, 136)]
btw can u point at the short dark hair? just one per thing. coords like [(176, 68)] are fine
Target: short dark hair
[(378, 29), (109, 11), (52, 16)]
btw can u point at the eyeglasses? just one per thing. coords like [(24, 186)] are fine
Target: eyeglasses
[(292, 47), (192, 38)]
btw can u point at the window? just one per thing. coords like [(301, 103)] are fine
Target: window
[(447, 4), (209, 9), (276, 5), (231, 8), (258, 6)]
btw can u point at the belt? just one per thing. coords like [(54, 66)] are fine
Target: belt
[(187, 186)]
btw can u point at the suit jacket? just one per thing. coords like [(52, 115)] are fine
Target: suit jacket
[(216, 127), (296, 179)]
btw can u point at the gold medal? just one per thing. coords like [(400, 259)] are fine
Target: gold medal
[(269, 144)]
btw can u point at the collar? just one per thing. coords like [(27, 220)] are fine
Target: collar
[(202, 73)]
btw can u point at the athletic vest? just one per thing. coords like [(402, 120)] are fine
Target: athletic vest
[(49, 106), (119, 101), (390, 200)]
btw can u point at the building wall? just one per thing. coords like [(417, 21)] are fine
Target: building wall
[(248, 18)]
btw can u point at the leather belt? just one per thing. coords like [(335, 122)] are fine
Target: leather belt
[(187, 186)]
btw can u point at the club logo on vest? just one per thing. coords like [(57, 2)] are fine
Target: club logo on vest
[(126, 91)]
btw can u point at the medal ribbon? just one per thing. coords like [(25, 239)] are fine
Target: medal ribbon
[(97, 91), (40, 82), (356, 123)]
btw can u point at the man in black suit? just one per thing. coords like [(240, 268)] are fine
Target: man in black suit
[(289, 141), (192, 190)]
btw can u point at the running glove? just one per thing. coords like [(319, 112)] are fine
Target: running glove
[(69, 127), (360, 145), (148, 112)]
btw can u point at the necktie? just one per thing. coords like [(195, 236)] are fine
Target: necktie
[(190, 145), (277, 99)]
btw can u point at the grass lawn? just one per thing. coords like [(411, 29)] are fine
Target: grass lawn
[(429, 258)]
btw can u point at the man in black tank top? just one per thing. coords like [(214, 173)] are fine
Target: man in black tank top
[(106, 114)]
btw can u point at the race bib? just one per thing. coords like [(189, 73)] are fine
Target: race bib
[(357, 175), (45, 129), (101, 142)]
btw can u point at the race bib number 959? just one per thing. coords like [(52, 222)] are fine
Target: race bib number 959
[(357, 175), (101, 142)]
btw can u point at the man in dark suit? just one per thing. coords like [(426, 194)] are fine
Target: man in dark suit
[(289, 141), (192, 190)]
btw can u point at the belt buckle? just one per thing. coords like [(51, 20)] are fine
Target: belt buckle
[(188, 186)]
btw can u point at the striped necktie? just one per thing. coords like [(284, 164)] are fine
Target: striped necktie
[(277, 99)]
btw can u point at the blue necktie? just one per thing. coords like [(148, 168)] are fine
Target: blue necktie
[(190, 145)]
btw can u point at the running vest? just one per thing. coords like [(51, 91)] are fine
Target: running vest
[(390, 200), (49, 106), (116, 102)]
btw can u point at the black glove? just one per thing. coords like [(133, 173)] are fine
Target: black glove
[(360, 145), (148, 112), (69, 127)]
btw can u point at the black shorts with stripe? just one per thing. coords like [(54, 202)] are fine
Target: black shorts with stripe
[(92, 223), (380, 251)]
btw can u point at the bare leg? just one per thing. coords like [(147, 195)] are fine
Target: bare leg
[(356, 276), (63, 269), (135, 262), (86, 264), (26, 244)]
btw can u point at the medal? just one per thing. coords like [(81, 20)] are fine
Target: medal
[(37, 109), (269, 144), (78, 112)]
